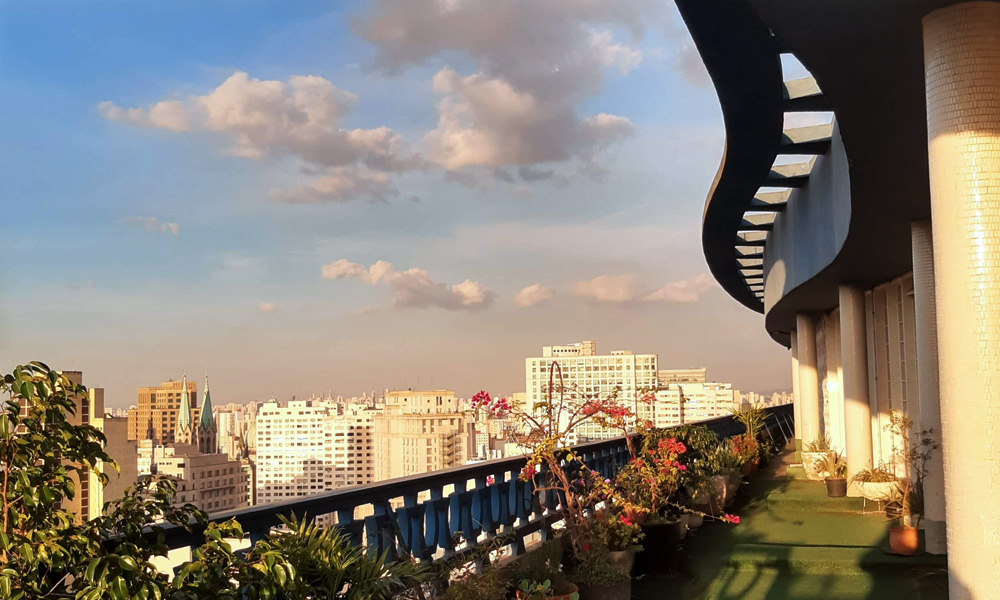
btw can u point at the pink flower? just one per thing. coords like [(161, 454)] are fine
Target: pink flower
[(490, 480), (735, 520)]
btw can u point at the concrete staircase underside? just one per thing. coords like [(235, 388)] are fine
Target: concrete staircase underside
[(795, 543)]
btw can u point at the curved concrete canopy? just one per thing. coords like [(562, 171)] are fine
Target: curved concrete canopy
[(867, 57)]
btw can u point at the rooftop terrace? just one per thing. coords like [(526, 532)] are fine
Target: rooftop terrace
[(793, 542)]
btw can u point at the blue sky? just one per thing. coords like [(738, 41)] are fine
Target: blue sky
[(138, 246)]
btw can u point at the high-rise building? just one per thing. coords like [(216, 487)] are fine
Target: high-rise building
[(305, 447), (157, 410), (685, 396), (89, 498), (124, 452), (586, 374), (419, 432)]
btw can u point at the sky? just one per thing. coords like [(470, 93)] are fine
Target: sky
[(312, 197)]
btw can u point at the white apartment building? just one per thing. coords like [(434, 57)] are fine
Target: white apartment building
[(421, 431), (685, 396), (591, 375), (305, 447)]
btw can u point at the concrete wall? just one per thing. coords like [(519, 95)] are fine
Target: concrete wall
[(809, 233)]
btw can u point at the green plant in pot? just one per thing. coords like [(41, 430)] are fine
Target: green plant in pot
[(597, 577), (914, 449), (813, 454), (616, 529), (878, 484), (753, 418), (834, 467), (530, 589)]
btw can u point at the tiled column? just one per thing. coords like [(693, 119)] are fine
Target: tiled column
[(797, 402), (962, 70), (811, 414), (854, 356), (927, 381)]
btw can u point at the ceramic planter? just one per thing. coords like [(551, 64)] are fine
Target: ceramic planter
[(904, 540), (616, 591), (622, 559), (879, 491), (717, 493), (811, 462), (836, 488), (695, 521)]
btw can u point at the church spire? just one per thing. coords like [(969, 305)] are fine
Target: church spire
[(182, 429), (207, 418)]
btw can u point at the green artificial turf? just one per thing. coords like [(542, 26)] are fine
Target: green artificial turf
[(795, 543)]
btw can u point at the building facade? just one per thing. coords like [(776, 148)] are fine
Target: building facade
[(419, 432), (580, 370), (212, 482), (157, 408), (685, 396), (875, 258), (306, 447)]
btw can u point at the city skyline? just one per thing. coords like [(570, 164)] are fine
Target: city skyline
[(385, 222)]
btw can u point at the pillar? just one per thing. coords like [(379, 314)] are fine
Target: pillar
[(929, 418), (854, 357), (962, 75), (812, 409), (796, 402)]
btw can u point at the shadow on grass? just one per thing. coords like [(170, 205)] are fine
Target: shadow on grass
[(709, 569)]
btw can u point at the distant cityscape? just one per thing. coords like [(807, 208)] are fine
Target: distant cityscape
[(230, 456)]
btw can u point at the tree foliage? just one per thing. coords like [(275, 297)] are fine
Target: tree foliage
[(45, 552)]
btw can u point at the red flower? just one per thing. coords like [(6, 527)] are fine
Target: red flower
[(735, 520), (490, 480)]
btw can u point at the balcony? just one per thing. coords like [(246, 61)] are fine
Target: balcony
[(792, 542)]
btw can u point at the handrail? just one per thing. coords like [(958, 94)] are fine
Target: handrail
[(426, 523)]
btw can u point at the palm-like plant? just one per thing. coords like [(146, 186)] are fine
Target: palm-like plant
[(329, 566), (752, 417)]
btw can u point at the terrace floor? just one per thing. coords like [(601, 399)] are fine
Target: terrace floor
[(795, 543)]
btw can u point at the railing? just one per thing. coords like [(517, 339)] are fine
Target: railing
[(423, 515)]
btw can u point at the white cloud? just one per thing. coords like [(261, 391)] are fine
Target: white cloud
[(414, 287), (166, 114), (533, 295), (610, 288), (685, 290), (152, 225), (536, 63), (267, 307), (299, 118), (691, 66), (342, 184), (627, 288)]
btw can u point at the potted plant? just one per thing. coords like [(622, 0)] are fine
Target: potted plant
[(753, 419), (614, 528), (904, 536), (815, 452), (834, 468), (597, 578), (529, 589), (878, 484)]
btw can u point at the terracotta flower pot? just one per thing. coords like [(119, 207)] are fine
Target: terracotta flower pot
[(563, 590), (616, 591), (904, 540), (836, 488)]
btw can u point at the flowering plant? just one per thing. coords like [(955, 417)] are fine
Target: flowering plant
[(617, 529), (546, 430), (649, 483), (745, 447)]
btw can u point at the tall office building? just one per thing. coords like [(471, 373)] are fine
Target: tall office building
[(419, 432), (305, 447), (156, 412), (89, 498), (591, 375), (124, 452)]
